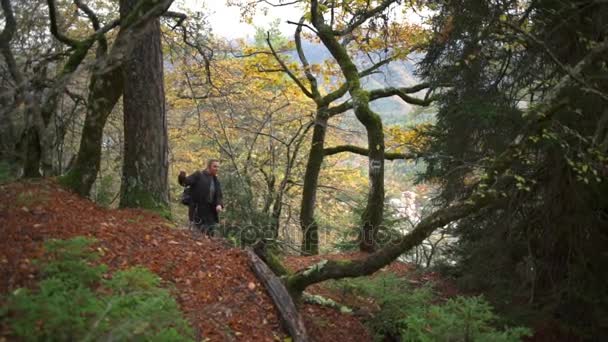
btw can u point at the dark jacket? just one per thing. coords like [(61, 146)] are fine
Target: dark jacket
[(203, 206)]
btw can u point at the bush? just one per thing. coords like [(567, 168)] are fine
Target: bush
[(7, 172), (104, 194), (74, 302), (413, 314), (244, 223), (458, 319)]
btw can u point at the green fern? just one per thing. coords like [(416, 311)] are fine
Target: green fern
[(74, 302)]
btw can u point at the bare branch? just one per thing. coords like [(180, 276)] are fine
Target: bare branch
[(376, 66), (388, 92), (301, 24), (6, 36), (286, 69), (103, 43), (338, 93), (90, 14), (311, 78), (360, 18), (364, 152), (402, 93), (181, 17), (55, 31), (280, 3)]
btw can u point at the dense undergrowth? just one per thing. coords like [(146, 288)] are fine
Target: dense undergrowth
[(419, 314)]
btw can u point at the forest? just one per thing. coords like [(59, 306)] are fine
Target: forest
[(390, 170)]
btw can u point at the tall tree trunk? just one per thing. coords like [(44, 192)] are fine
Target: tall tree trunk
[(145, 165), (36, 118), (105, 89), (310, 229), (32, 153), (372, 215)]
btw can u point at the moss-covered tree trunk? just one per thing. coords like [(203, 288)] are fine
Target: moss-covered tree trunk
[(32, 153), (310, 229), (145, 166), (372, 215), (105, 89), (336, 269)]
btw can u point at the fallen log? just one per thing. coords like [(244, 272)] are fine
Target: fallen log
[(282, 300)]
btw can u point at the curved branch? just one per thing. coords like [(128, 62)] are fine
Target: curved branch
[(402, 93), (302, 24), (388, 92), (359, 19), (180, 18), (55, 31), (365, 152), (311, 78), (103, 43), (10, 26), (355, 268), (286, 69), (338, 93)]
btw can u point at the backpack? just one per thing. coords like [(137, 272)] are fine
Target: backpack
[(186, 197)]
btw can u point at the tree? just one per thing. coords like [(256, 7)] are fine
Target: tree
[(41, 92), (105, 89), (145, 166), (39, 96), (325, 111), (484, 195), (360, 98), (547, 239)]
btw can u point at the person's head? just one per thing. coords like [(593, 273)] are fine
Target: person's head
[(213, 166)]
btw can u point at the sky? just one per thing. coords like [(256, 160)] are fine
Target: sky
[(226, 20)]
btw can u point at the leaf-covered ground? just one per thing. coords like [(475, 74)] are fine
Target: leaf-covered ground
[(212, 281)]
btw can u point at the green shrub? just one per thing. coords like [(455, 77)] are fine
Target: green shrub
[(74, 302), (458, 319), (411, 314), (7, 171), (387, 233), (104, 193), (245, 222)]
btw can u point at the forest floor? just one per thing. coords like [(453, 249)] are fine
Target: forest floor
[(212, 281)]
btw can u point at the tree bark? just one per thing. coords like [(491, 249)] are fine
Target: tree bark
[(104, 91), (288, 312), (310, 229), (330, 269), (145, 166), (372, 215)]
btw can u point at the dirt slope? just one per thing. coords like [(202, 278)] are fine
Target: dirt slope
[(213, 282)]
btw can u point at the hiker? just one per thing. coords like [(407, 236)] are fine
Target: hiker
[(206, 197)]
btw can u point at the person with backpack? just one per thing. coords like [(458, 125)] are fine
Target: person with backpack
[(203, 195)]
